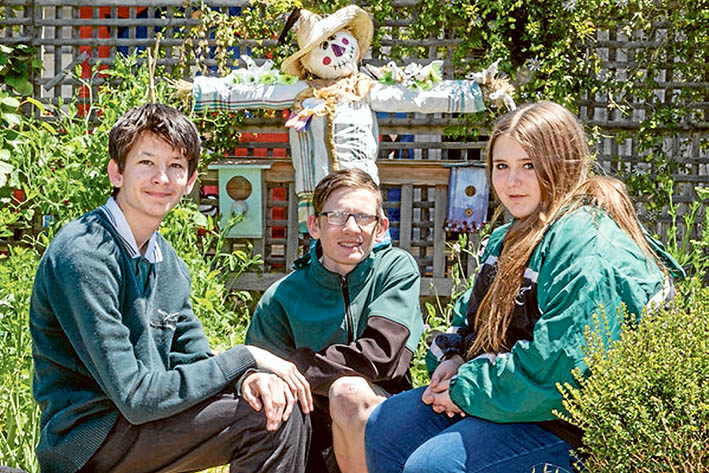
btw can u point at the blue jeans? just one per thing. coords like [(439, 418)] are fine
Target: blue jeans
[(404, 434)]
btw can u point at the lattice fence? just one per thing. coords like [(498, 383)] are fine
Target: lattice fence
[(688, 146), (72, 33)]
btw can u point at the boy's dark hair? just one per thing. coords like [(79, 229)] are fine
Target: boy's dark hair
[(161, 120), (351, 178)]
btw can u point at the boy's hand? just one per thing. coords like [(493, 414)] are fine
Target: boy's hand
[(270, 392), (288, 372)]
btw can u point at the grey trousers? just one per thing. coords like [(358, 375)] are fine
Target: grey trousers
[(223, 430)]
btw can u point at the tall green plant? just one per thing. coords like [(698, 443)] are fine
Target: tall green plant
[(61, 167), (691, 253), (19, 415), (18, 63), (212, 264), (445, 309)]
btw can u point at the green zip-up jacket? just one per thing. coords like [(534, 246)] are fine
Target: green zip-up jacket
[(367, 323), (584, 262), (108, 342)]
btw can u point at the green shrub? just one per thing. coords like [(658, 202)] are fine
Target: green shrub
[(19, 414), (645, 406)]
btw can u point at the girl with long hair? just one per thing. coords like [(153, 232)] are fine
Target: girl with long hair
[(574, 248)]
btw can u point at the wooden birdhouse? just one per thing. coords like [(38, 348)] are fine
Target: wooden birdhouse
[(468, 193), (241, 193)]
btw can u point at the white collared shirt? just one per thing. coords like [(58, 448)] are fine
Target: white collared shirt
[(115, 215)]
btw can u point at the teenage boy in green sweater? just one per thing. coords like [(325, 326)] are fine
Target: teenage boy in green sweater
[(123, 371)]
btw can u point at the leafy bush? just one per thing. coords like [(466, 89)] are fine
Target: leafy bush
[(19, 414), (645, 406), (205, 250), (17, 65)]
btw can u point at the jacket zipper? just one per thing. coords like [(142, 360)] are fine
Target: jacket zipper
[(348, 315)]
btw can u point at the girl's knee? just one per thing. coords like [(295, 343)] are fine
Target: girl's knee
[(428, 460)]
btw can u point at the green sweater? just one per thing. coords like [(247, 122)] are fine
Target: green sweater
[(106, 345), (584, 261)]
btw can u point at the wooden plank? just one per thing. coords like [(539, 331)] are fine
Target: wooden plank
[(436, 287), (260, 282), (387, 125), (439, 234), (264, 216), (400, 172), (391, 172), (407, 193), (292, 229), (433, 145), (118, 22)]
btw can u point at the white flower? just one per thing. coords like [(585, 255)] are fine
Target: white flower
[(487, 75)]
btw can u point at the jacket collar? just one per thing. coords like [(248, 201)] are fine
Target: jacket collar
[(321, 275)]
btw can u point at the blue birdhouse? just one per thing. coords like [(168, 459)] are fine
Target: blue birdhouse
[(241, 193), (468, 194)]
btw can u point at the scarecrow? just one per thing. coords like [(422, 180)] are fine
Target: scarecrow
[(333, 124)]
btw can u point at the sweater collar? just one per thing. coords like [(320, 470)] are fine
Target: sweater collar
[(115, 215)]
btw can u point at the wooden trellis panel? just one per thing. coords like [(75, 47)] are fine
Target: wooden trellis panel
[(688, 145), (82, 32), (66, 31)]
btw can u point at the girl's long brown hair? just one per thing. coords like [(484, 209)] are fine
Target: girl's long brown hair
[(556, 144)]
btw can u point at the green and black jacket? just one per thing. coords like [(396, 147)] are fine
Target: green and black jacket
[(366, 323)]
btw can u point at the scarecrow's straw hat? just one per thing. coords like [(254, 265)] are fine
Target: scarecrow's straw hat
[(313, 30)]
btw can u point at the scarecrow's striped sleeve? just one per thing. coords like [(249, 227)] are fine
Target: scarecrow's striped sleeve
[(448, 96), (221, 93)]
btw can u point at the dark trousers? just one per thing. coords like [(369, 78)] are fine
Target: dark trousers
[(219, 431)]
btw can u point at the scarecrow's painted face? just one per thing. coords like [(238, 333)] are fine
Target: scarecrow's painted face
[(335, 57)]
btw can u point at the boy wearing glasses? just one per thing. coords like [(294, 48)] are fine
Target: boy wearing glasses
[(348, 316)]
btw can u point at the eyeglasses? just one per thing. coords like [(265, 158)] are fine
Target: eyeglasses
[(341, 218)]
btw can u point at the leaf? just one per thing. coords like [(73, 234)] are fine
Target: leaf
[(48, 127), (11, 102), (702, 192), (5, 169), (12, 119), (36, 103), (25, 88), (19, 82), (200, 219)]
